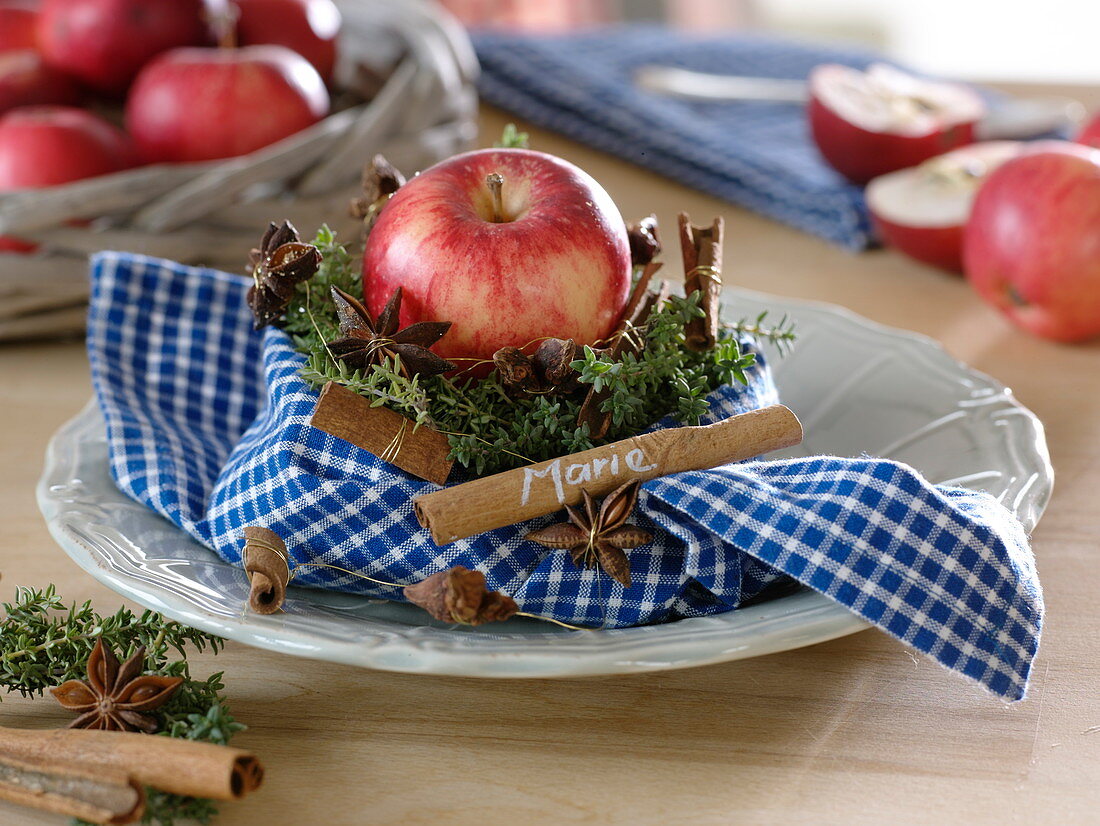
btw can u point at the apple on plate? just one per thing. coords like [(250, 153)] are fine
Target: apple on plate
[(868, 123), (105, 42), (207, 104), (510, 245), (1090, 135), (1032, 244), (308, 27), (25, 80), (922, 211)]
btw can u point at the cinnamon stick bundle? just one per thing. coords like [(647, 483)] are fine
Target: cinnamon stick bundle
[(183, 767), (94, 793), (390, 436), (536, 490), (701, 248)]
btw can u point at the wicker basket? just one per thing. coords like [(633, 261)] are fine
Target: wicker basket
[(212, 213)]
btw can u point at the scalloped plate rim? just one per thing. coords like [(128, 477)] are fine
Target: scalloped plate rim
[(793, 621)]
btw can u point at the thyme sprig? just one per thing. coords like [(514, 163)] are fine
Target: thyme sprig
[(782, 334), (44, 642)]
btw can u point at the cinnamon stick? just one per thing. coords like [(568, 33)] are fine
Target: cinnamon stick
[(701, 248), (536, 490), (94, 793), (184, 767), (421, 451), (267, 565)]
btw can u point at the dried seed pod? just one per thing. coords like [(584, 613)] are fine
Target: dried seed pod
[(645, 242), (459, 595), (548, 371)]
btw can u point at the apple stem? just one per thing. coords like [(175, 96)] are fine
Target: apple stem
[(495, 182), (224, 25)]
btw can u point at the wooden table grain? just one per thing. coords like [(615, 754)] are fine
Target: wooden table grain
[(858, 730)]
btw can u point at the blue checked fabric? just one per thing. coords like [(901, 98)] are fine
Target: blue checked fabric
[(756, 154), (207, 424)]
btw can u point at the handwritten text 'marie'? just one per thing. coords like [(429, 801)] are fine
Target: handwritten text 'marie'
[(579, 474)]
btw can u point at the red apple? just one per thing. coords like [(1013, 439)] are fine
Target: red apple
[(869, 123), (204, 104), (17, 24), (308, 27), (1090, 135), (548, 257), (105, 42), (25, 80), (922, 211), (1032, 244), (48, 145)]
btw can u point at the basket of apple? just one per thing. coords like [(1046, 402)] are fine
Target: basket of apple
[(1021, 219), (171, 127)]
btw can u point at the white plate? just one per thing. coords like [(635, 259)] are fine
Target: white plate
[(857, 386)]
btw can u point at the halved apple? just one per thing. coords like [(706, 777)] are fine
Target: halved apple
[(922, 211), (868, 123)]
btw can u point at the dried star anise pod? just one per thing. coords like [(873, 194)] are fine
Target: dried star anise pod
[(459, 595), (367, 341), (115, 697), (549, 370), (645, 243), (277, 266), (380, 180), (599, 536)]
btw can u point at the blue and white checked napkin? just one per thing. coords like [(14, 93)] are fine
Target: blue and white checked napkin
[(207, 424), (756, 154)]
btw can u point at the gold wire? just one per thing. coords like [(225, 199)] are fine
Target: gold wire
[(293, 572), (393, 449), (706, 271)]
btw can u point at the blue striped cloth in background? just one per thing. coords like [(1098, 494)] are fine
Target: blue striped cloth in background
[(208, 425), (756, 154)]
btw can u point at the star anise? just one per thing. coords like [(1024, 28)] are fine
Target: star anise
[(368, 341), (645, 242), (277, 266), (459, 595), (549, 370), (599, 536), (115, 698)]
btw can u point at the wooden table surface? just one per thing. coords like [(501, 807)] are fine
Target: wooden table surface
[(858, 730)]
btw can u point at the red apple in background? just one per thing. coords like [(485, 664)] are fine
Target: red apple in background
[(922, 211), (1032, 245), (550, 257), (25, 80), (17, 25), (105, 42), (308, 27), (868, 123), (205, 104), (48, 145), (1090, 135)]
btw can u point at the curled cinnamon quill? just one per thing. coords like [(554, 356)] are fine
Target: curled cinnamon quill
[(267, 564)]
